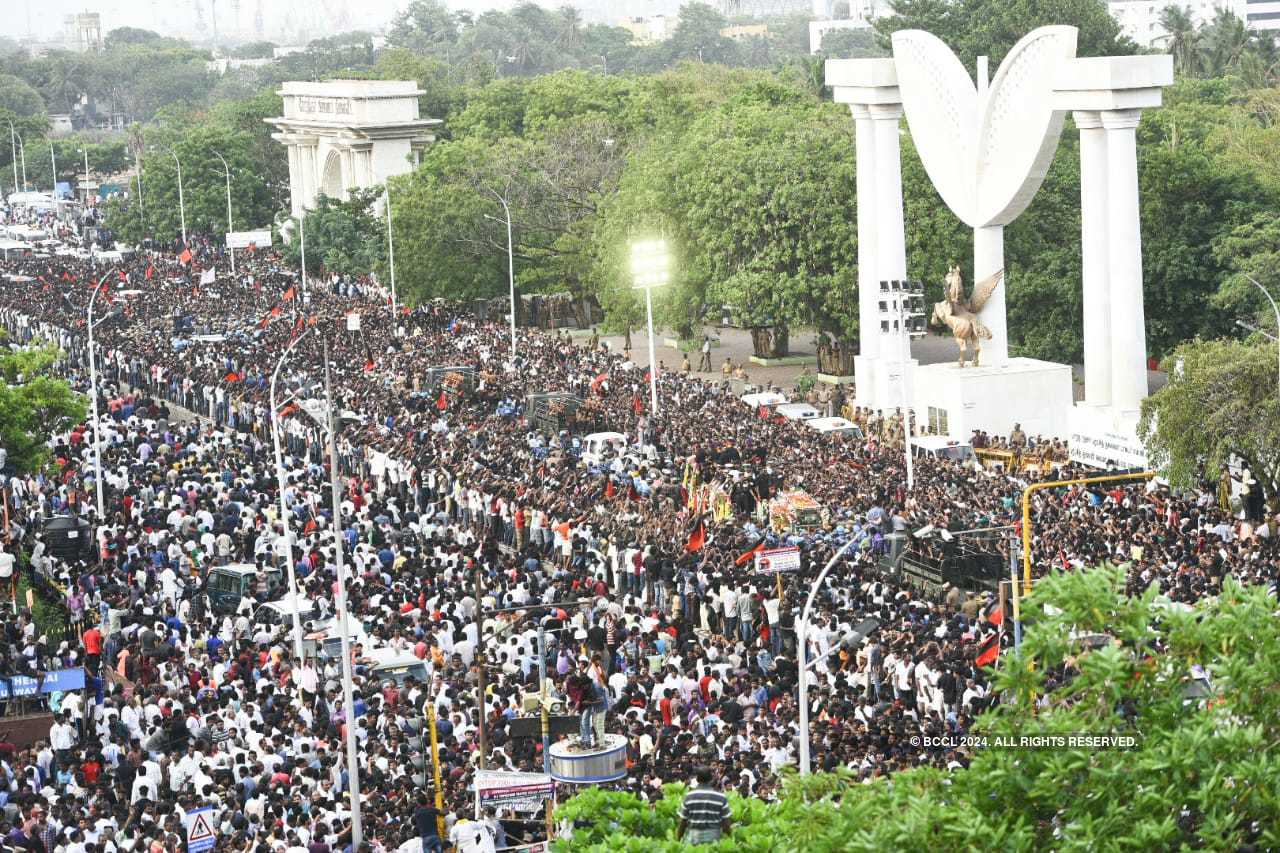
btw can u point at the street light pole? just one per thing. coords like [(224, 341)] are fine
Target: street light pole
[(348, 701), (511, 270), (302, 239), (650, 266), (13, 149), (142, 207), (98, 486), (182, 207), (22, 150), (276, 427), (391, 257), (227, 169), (802, 639), (53, 164), (85, 152), (1276, 309)]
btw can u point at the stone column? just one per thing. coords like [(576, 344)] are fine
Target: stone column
[(1124, 256), (310, 178), (988, 258), (891, 250), (295, 179), (868, 287), (1095, 262), (349, 179)]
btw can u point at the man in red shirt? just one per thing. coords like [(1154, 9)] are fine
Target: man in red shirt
[(92, 642)]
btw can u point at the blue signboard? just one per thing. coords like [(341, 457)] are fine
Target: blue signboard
[(57, 681)]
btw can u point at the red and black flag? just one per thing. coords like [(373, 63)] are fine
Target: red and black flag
[(988, 650), (608, 488), (697, 536), (749, 555)]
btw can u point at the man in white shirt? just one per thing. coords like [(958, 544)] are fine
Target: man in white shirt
[(469, 836)]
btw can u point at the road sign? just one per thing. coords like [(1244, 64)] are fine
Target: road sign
[(777, 561), (201, 833)]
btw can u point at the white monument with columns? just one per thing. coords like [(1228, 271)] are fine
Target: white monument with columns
[(987, 149), (348, 134)]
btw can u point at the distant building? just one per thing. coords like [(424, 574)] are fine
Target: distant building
[(84, 32), (649, 30), (741, 32), (288, 50), (60, 124), (1140, 19), (225, 64)]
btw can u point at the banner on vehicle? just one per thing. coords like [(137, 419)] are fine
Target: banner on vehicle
[(777, 561), (520, 791)]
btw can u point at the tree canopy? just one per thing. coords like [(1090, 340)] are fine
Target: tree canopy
[(33, 406), (1199, 773)]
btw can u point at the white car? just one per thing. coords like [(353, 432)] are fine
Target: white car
[(837, 426), (798, 411), (767, 399)]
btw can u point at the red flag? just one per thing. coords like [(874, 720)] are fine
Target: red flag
[(288, 294), (253, 247), (442, 402), (608, 488), (288, 410), (632, 494), (298, 326), (311, 320), (989, 651), (368, 365), (636, 405), (66, 276), (994, 613), (150, 271), (748, 556), (185, 257), (123, 277), (698, 537), (404, 309), (232, 377)]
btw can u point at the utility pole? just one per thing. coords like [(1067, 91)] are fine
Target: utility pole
[(348, 700), (481, 729)]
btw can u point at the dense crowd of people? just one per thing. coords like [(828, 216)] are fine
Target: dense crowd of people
[(463, 530)]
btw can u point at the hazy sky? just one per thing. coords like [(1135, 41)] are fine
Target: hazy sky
[(282, 20)]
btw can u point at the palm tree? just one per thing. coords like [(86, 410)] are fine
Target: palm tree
[(1181, 39), (1225, 41)]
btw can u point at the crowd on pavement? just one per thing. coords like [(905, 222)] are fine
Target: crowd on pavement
[(463, 530)]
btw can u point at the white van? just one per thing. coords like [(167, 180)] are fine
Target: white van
[(766, 399), (601, 447), (391, 665), (798, 411), (280, 611), (835, 426), (941, 447)]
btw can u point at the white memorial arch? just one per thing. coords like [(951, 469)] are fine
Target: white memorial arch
[(347, 134), (987, 149)]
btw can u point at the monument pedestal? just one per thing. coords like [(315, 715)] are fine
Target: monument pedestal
[(879, 382), (1103, 437), (1027, 391)]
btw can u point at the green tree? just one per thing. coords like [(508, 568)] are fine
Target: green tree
[(1221, 400), (1181, 785), (344, 237), (197, 145), (425, 27), (851, 44), (19, 98), (1182, 39), (697, 37), (255, 50), (33, 406), (990, 28)]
